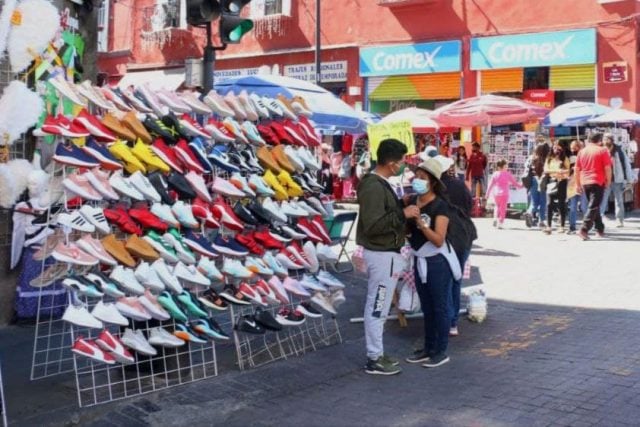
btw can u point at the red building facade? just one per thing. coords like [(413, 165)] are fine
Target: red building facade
[(284, 40)]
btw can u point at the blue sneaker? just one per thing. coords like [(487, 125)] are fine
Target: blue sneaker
[(199, 149), (72, 155), (83, 287), (105, 284), (199, 244), (185, 333), (193, 306), (229, 246), (210, 328), (102, 154), (165, 299), (219, 158)]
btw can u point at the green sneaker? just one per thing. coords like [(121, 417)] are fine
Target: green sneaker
[(174, 238), (380, 367), (389, 360), (166, 300), (192, 305), (165, 250)]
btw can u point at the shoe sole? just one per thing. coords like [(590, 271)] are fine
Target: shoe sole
[(233, 299), (304, 311), (442, 362), (93, 357), (376, 372), (70, 260), (211, 305), (71, 186)]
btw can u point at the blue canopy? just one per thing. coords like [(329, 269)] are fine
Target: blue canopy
[(330, 113)]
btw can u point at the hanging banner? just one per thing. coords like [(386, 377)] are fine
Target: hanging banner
[(399, 130), (542, 97), (614, 72)]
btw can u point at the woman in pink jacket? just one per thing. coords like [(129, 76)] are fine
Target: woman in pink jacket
[(499, 184)]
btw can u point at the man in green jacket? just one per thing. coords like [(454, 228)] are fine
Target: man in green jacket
[(381, 232)]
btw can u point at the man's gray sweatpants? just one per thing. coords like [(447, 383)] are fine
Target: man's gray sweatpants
[(383, 269)]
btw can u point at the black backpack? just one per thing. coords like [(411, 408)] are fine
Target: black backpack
[(461, 231)]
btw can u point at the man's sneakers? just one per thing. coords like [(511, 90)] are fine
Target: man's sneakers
[(381, 366)]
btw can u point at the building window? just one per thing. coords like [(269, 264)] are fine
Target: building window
[(272, 7), (103, 27), (165, 14), (268, 8)]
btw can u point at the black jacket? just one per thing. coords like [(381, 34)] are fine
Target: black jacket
[(459, 194)]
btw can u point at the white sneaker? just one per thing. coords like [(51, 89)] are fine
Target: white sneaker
[(259, 106), (236, 269), (80, 316), (127, 280), (300, 211), (99, 181), (278, 289), (207, 267), (311, 256), (149, 277), (164, 212), (236, 177), (142, 184), (337, 298), (136, 341), (274, 108), (317, 205), (287, 263), (196, 181), (225, 188), (167, 276), (329, 279), (123, 186), (293, 157), (274, 210), (190, 274), (76, 221), (293, 233), (312, 211), (258, 266), (295, 287), (323, 302), (184, 214), (312, 283), (326, 254), (131, 308), (308, 159), (218, 104), (96, 217), (150, 303), (108, 313), (159, 337)]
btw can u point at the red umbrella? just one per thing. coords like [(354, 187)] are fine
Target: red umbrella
[(488, 110)]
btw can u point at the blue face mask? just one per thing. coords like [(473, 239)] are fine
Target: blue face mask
[(420, 186)]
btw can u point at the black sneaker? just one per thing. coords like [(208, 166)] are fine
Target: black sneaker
[(173, 125), (239, 162), (157, 180), (180, 184), (233, 296), (259, 212), (381, 367), (290, 318), (158, 129), (267, 320), (528, 220), (211, 299), (308, 310), (436, 360), (248, 324), (244, 214), (419, 356)]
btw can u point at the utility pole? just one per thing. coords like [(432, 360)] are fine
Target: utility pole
[(318, 45)]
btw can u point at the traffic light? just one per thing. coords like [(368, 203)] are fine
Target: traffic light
[(232, 25), (199, 12)]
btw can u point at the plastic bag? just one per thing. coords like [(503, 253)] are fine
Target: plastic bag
[(408, 300), (477, 306)]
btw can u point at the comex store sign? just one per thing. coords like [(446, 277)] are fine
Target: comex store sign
[(410, 59), (531, 50)]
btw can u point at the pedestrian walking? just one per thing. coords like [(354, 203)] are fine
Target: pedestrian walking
[(460, 162), (537, 210), (498, 188), (574, 198), (621, 174), (475, 169), (556, 170), (381, 231), (436, 265), (593, 175)]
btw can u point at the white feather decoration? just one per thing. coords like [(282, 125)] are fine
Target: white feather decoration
[(5, 24), (39, 23), (7, 187), (20, 109), (14, 179)]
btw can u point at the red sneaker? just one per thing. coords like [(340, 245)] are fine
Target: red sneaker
[(225, 215), (292, 129), (118, 216), (281, 134), (294, 249), (321, 228), (193, 126), (94, 126), (250, 243), (309, 229), (88, 348), (148, 220), (202, 211), (167, 155), (249, 292), (268, 134), (312, 137), (185, 154), (266, 240)]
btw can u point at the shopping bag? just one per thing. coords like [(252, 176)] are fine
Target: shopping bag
[(357, 259), (408, 300)]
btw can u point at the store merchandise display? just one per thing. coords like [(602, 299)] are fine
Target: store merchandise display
[(177, 211)]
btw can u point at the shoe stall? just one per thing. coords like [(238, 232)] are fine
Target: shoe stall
[(158, 229)]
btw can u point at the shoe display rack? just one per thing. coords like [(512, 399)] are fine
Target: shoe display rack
[(208, 236)]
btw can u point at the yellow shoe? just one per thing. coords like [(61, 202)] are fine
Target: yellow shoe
[(122, 152), (146, 155), (272, 181), (293, 189)]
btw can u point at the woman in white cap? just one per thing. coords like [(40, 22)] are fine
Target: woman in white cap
[(436, 264)]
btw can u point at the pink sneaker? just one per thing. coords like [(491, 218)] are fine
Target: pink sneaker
[(94, 248), (295, 287), (131, 307), (80, 185), (72, 254), (196, 181), (100, 181), (278, 289), (151, 305), (225, 188)]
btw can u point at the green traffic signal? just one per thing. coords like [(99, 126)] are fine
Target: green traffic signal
[(240, 30)]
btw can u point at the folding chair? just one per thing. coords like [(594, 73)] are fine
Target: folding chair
[(339, 231)]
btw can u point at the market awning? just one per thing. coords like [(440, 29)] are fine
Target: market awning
[(156, 79)]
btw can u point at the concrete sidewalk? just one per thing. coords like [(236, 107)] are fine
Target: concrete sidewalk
[(560, 347)]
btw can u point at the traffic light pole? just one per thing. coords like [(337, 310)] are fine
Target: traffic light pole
[(209, 60), (318, 45)]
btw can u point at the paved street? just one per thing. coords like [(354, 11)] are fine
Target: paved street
[(560, 347)]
